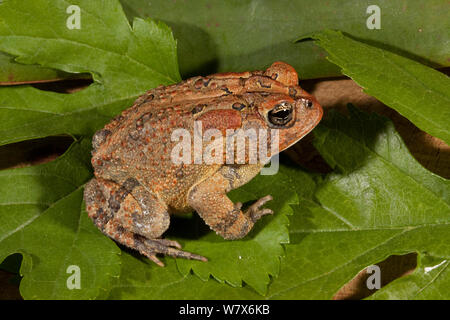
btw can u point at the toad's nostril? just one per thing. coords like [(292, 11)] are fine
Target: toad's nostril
[(308, 103)]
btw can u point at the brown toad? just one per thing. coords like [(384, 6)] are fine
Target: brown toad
[(138, 184)]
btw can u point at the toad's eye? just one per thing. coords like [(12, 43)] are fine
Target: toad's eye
[(281, 114)]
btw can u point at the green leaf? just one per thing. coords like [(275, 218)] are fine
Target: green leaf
[(417, 92), (241, 35), (257, 256), (43, 219), (142, 279), (379, 201), (124, 62), (430, 281), (15, 73), (250, 260)]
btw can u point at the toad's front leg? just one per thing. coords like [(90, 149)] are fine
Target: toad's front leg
[(226, 218), (133, 217)]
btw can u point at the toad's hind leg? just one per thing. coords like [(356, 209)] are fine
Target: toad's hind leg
[(131, 216)]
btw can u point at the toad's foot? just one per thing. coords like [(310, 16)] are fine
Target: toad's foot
[(226, 218), (151, 247), (255, 212)]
